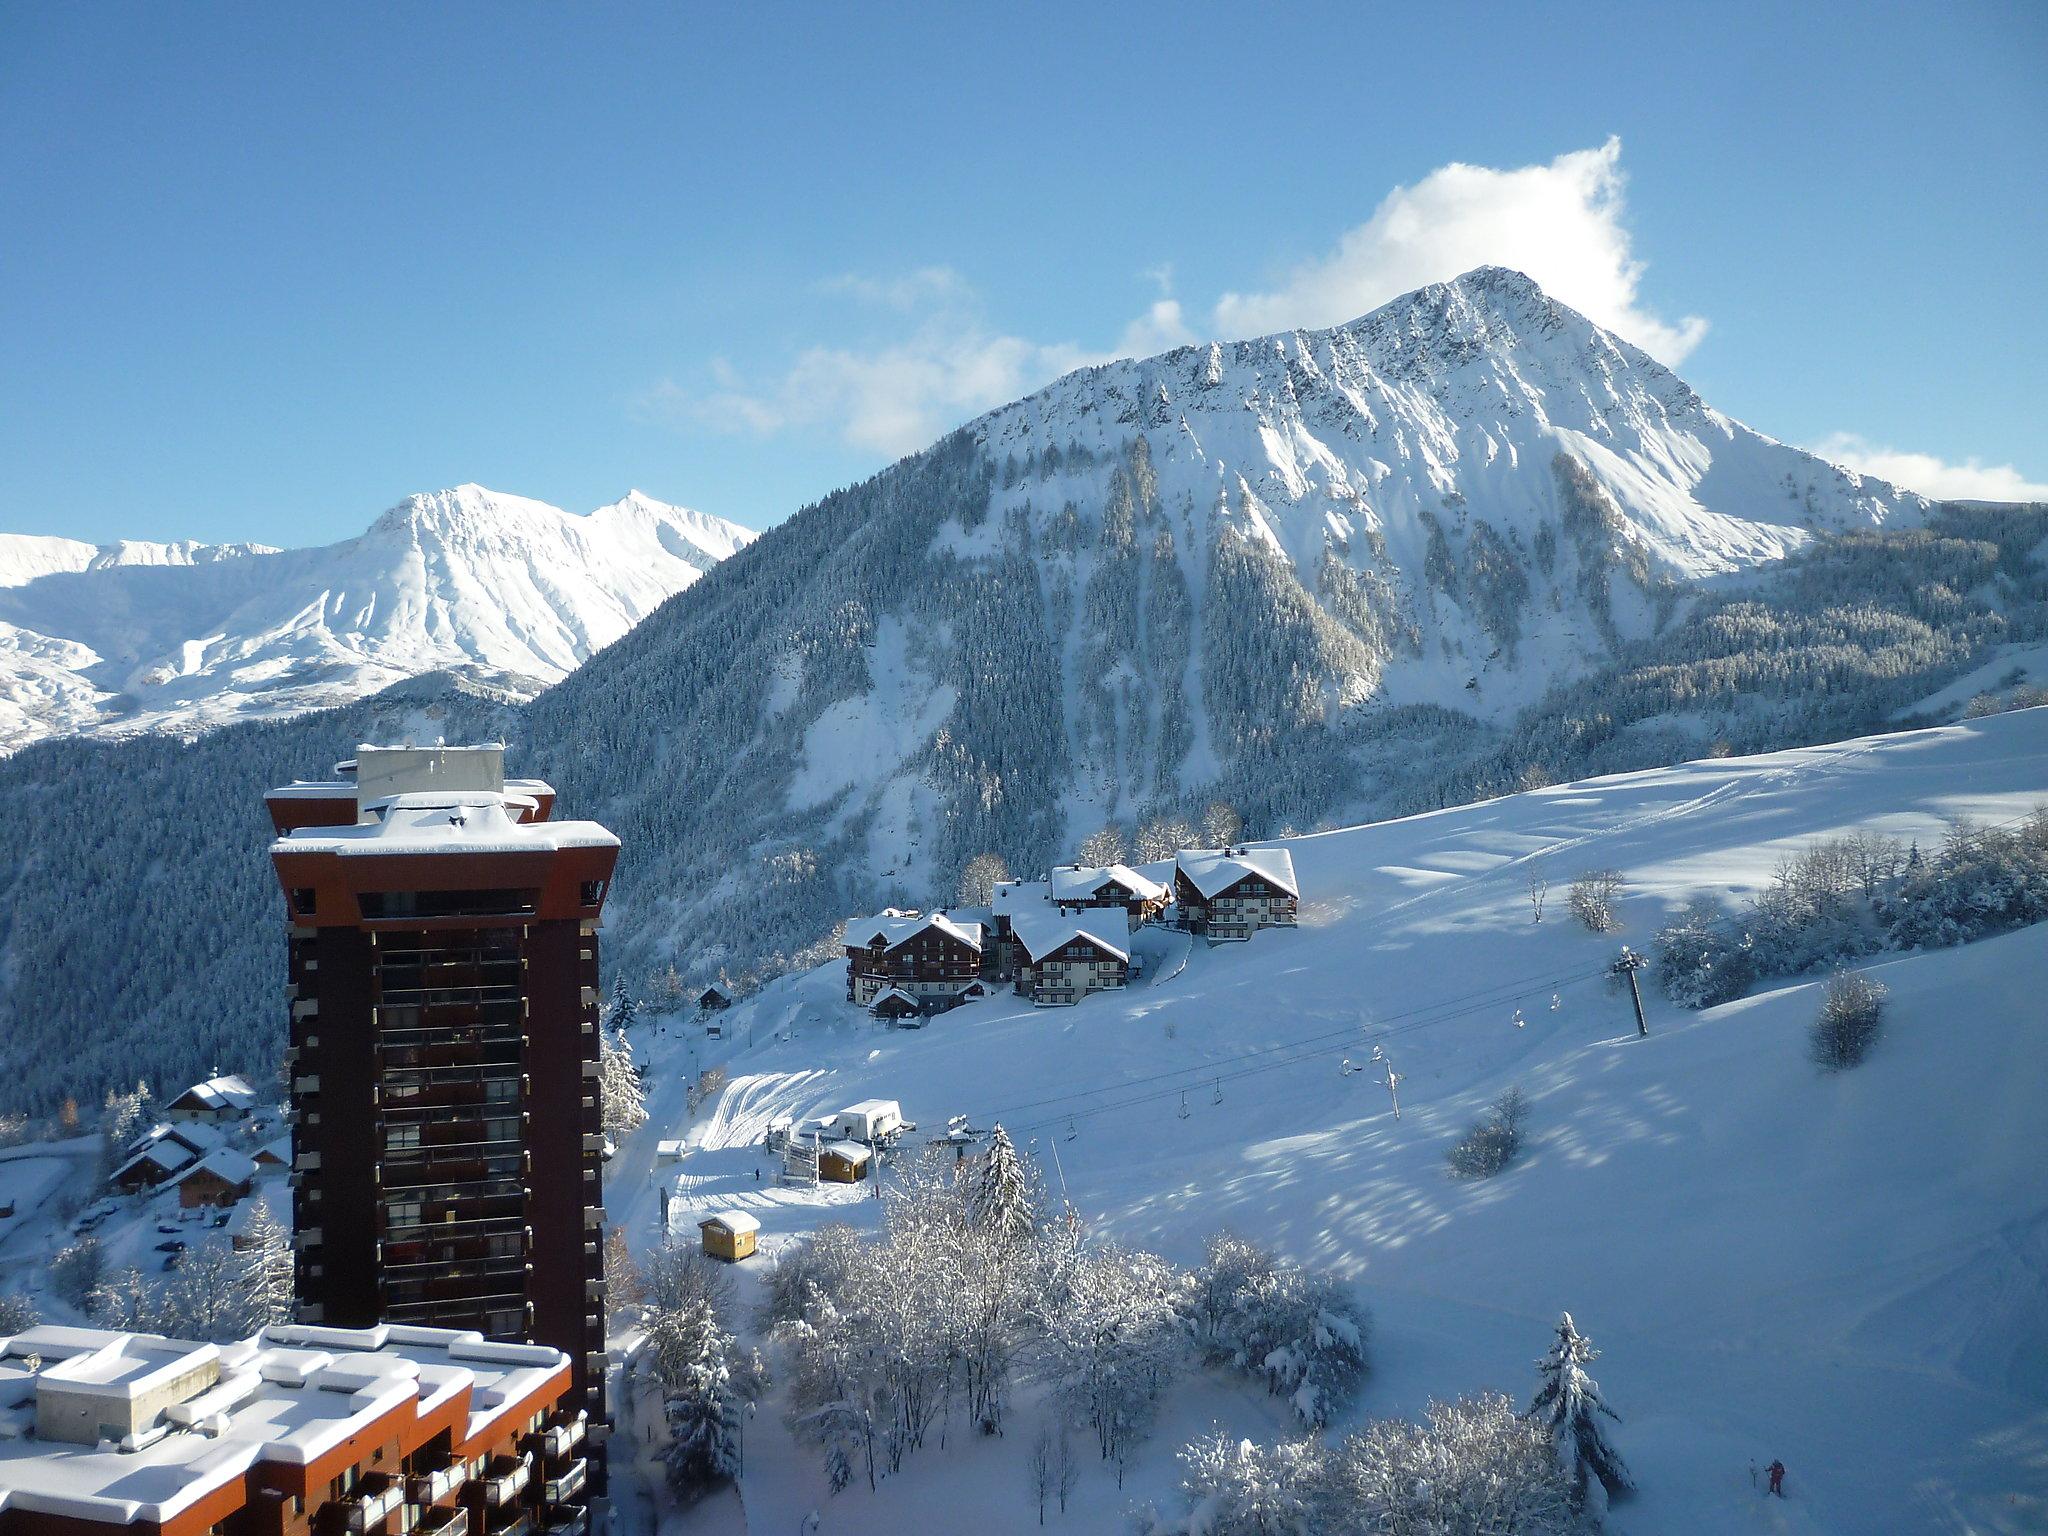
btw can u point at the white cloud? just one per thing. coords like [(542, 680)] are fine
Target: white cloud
[(1559, 223), (1930, 476), (938, 361)]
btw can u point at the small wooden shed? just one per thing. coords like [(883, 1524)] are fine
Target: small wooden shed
[(730, 1235), (843, 1162)]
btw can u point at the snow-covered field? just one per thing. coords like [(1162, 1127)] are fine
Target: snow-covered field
[(1847, 1272)]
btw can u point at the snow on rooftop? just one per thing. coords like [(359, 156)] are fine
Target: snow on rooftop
[(734, 1222), (893, 929), (445, 821), (276, 1400), (1078, 882), (1042, 932), (226, 1092), (224, 1163), (847, 1151), (1211, 870)]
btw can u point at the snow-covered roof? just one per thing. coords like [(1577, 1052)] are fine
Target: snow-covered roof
[(196, 1137), (1018, 895), (734, 1222), (1079, 882), (466, 821), (1041, 932), (217, 1093), (847, 1151), (164, 1155), (895, 995), (225, 1164), (893, 929), (874, 1107), (289, 1396), (278, 1151), (1211, 870)]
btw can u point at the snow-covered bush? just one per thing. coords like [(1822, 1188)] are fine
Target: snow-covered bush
[(1981, 881), (1702, 956), (1851, 1014), (217, 1292), (1593, 897), (1110, 1338), (1301, 1332), (76, 1269), (1473, 1467), (1492, 1142), (707, 1380), (1568, 1406)]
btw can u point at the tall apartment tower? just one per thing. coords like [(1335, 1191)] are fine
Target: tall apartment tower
[(444, 1051)]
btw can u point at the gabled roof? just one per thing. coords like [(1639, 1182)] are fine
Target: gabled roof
[(278, 1151), (218, 1093), (197, 1138), (162, 1156), (848, 1151), (894, 994), (1044, 931), (734, 1222), (1212, 870), (226, 1164), (893, 929), (1077, 882)]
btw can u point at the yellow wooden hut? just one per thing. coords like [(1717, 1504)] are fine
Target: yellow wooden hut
[(730, 1235), (843, 1162)]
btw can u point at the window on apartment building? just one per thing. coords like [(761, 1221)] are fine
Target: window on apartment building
[(303, 901)]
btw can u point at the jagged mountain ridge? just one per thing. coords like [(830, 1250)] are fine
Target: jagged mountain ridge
[(512, 592), (1358, 573)]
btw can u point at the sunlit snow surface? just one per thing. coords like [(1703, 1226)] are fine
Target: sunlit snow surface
[(1845, 1272)]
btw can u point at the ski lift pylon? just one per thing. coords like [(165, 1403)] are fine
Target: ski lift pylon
[(1183, 1103)]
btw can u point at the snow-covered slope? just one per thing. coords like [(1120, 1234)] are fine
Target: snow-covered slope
[(1848, 1272), (128, 637)]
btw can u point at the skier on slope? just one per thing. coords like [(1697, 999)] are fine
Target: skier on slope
[(1777, 1471)]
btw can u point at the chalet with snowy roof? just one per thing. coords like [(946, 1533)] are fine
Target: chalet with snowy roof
[(160, 1152), (217, 1101), (929, 958), (895, 1003), (1108, 887), (273, 1155), (1062, 958), (220, 1178), (713, 999), (1231, 893)]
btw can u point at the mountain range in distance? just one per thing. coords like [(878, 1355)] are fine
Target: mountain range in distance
[(505, 593)]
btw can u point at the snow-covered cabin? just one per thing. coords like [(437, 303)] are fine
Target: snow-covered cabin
[(273, 1154), (217, 1101), (933, 958), (1062, 958), (713, 999), (895, 1003), (730, 1235), (160, 1152), (1231, 893), (843, 1162), (1108, 887), (221, 1177)]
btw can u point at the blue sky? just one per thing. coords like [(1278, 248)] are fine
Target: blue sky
[(264, 270)]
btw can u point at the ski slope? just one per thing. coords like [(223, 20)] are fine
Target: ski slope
[(1846, 1272)]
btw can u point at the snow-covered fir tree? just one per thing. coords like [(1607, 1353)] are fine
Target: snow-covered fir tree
[(706, 1379), (624, 1100), (1003, 1200), (266, 1277), (1568, 1404), (624, 1010)]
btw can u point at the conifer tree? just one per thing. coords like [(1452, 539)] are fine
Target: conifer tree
[(624, 1102), (1568, 1405), (1002, 1193), (266, 1278)]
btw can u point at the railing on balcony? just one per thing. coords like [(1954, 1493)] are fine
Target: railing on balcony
[(433, 1484), (558, 1440), (512, 1522), (566, 1484), (443, 1522), (564, 1520), (375, 1500), (504, 1480)]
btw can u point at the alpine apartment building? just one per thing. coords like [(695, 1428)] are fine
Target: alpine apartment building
[(444, 1051)]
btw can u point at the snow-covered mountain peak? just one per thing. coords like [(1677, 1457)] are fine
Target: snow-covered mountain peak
[(467, 581)]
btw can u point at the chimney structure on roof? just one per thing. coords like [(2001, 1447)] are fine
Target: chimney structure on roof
[(447, 1120)]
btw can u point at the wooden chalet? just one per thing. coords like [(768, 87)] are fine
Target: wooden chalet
[(1229, 894), (1062, 959), (713, 1000), (932, 959), (219, 1178), (217, 1101), (844, 1162), (1073, 888)]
